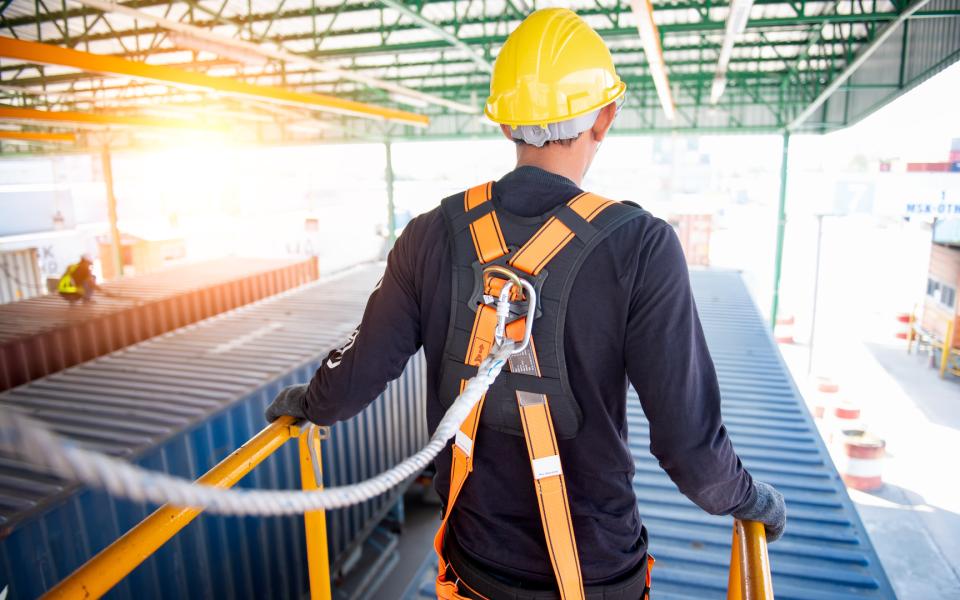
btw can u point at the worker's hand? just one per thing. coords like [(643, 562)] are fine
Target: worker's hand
[(288, 402), (766, 506)]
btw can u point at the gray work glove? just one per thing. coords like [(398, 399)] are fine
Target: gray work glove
[(766, 506), (288, 402)]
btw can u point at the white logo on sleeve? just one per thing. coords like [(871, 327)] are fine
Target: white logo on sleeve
[(336, 357)]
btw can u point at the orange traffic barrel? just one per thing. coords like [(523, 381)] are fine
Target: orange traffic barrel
[(783, 330), (861, 461)]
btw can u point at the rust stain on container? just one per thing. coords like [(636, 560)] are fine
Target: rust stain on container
[(44, 335)]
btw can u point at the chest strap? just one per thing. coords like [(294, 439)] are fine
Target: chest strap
[(570, 221)]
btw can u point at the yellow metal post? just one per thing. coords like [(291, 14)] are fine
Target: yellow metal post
[(116, 561), (947, 348), (315, 522), (912, 332), (749, 563)]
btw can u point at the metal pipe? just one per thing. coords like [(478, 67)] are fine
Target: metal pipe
[(90, 120), (391, 209), (238, 46), (315, 522), (862, 57), (750, 577), (450, 38), (35, 52), (38, 136), (116, 248), (781, 226), (947, 349), (98, 575), (816, 294)]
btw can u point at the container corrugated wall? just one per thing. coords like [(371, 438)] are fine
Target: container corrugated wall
[(20, 277), (182, 402), (41, 336), (825, 553)]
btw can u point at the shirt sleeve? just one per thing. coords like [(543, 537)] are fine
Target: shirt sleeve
[(670, 367), (377, 351)]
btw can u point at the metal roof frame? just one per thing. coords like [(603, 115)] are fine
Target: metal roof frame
[(793, 59)]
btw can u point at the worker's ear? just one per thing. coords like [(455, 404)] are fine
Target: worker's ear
[(604, 121), (507, 132)]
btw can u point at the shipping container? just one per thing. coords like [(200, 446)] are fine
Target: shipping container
[(825, 551), (940, 302), (931, 167), (20, 275), (44, 335), (181, 403)]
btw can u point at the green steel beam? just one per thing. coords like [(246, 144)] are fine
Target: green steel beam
[(781, 227)]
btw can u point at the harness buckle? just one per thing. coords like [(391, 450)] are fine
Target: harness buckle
[(503, 306)]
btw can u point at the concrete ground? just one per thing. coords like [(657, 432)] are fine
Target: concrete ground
[(914, 519)]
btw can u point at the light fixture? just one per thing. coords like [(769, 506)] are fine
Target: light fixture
[(650, 38), (736, 23)]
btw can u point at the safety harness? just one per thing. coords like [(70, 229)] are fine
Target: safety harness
[(498, 266)]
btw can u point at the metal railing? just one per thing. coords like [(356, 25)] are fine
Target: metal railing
[(749, 578), (749, 563), (929, 339), (98, 575)]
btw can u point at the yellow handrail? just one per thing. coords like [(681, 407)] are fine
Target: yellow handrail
[(98, 575), (749, 563)]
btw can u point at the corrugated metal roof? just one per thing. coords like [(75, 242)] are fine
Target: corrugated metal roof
[(825, 553)]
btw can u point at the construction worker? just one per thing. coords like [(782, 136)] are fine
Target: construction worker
[(78, 281), (549, 508)]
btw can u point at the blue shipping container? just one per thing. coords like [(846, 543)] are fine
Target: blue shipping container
[(182, 402)]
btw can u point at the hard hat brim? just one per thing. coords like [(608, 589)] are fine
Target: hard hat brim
[(621, 90)]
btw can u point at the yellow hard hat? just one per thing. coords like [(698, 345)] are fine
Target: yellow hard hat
[(553, 67)]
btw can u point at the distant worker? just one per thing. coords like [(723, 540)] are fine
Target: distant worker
[(78, 281), (537, 486)]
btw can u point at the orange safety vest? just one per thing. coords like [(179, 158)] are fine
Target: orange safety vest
[(572, 221)]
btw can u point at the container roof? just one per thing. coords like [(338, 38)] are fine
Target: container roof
[(440, 51)]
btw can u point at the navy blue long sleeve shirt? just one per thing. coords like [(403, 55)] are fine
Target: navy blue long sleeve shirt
[(631, 315)]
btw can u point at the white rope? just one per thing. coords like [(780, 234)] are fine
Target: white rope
[(35, 443)]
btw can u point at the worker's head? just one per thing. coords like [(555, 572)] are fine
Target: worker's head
[(86, 258), (554, 89)]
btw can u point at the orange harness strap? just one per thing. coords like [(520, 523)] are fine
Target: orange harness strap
[(535, 416)]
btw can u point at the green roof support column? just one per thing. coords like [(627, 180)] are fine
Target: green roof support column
[(391, 209), (781, 225)]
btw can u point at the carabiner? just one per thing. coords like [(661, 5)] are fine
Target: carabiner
[(503, 313)]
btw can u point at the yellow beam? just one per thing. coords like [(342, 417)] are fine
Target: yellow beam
[(30, 115), (113, 563), (35, 52), (38, 136)]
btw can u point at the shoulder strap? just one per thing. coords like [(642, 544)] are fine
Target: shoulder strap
[(484, 226), (570, 221)]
